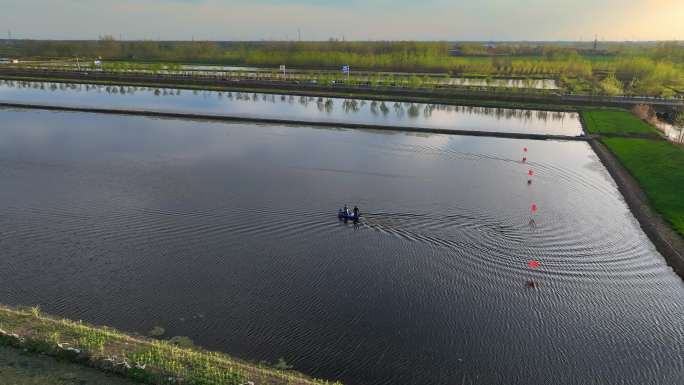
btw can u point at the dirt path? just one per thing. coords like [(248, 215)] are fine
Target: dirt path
[(19, 368)]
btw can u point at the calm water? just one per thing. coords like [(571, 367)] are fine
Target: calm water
[(295, 107), (545, 84), (227, 233)]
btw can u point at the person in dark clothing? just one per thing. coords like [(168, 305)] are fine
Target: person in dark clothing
[(356, 212)]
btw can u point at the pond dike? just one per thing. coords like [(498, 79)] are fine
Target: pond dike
[(231, 118), (666, 240)]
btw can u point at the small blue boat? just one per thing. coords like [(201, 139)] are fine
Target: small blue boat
[(347, 216)]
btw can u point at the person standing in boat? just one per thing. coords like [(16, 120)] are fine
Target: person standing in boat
[(345, 210), (356, 212)]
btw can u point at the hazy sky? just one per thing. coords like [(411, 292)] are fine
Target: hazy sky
[(353, 19)]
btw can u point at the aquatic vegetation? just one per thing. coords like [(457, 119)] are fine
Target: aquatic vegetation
[(156, 331), (282, 364), (182, 341)]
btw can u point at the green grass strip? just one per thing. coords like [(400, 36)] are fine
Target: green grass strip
[(616, 122), (658, 166)]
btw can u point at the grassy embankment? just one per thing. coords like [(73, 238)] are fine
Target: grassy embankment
[(657, 165), (144, 360), (616, 122), (25, 368)]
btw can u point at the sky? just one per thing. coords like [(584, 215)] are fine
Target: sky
[(349, 19)]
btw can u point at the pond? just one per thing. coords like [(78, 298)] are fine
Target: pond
[(546, 84), (227, 233), (301, 108)]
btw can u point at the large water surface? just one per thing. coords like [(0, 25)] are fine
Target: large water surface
[(301, 108), (227, 233)]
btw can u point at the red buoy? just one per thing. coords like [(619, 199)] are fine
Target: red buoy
[(533, 264), (524, 159), (530, 173), (525, 149), (534, 207)]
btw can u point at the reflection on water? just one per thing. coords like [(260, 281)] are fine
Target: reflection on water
[(228, 233), (295, 107), (546, 84)]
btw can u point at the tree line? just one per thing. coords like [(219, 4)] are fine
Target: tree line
[(656, 70)]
